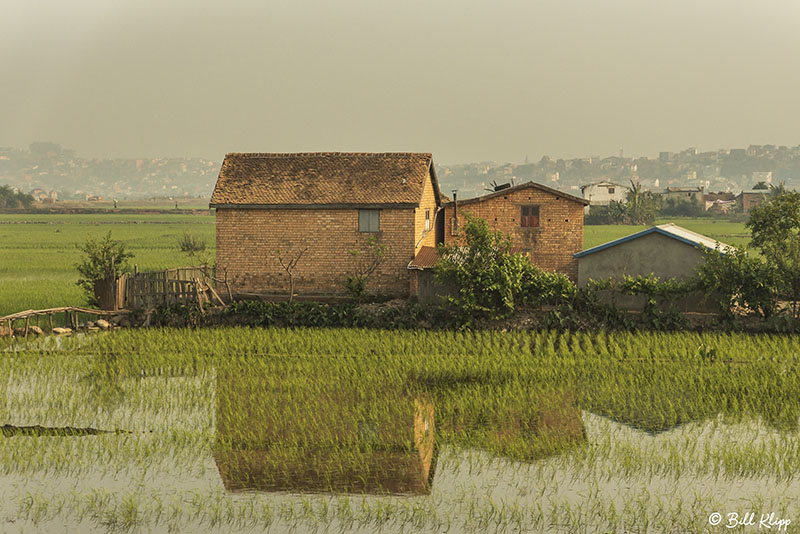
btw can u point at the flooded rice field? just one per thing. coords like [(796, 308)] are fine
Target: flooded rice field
[(321, 431)]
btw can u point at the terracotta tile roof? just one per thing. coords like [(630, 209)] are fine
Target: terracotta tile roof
[(321, 178)]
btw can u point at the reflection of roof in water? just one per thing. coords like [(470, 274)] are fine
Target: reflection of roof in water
[(652, 429)]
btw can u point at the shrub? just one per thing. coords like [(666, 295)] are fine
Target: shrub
[(363, 264), (488, 276), (103, 259), (738, 280)]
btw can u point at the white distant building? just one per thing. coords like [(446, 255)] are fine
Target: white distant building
[(601, 193)]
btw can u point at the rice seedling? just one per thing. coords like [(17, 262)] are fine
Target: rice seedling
[(233, 429)]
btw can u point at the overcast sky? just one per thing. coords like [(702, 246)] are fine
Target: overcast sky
[(469, 80)]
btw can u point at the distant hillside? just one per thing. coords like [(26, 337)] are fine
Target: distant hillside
[(48, 167)]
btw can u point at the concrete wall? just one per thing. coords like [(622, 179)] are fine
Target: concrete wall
[(655, 253), (428, 289), (551, 245)]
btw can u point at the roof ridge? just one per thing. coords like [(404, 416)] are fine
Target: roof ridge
[(337, 154), (524, 185)]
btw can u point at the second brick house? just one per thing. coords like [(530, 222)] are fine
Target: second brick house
[(545, 224)]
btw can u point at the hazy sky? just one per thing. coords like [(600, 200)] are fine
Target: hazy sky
[(468, 80)]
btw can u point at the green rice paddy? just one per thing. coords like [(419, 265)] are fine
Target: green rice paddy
[(38, 253), (246, 430)]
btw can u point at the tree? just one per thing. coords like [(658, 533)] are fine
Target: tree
[(775, 190), (289, 256), (761, 186), (775, 230), (10, 199), (364, 264), (488, 276), (103, 259), (738, 280), (641, 205), (192, 246)]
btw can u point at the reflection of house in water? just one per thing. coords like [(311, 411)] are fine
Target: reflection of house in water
[(330, 436)]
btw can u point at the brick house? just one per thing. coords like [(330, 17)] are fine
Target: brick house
[(747, 200), (544, 223), (325, 204)]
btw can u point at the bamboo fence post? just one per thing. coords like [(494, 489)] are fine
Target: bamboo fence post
[(50, 316), (166, 288), (27, 322), (197, 295)]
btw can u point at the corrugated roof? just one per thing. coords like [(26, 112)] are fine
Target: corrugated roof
[(322, 178), (524, 186), (425, 258), (670, 230)]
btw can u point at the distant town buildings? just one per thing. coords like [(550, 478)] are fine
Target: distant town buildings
[(684, 194), (50, 172), (601, 193), (49, 167)]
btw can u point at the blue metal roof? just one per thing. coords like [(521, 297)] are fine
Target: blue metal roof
[(670, 230)]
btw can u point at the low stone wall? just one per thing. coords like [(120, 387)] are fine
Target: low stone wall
[(696, 302)]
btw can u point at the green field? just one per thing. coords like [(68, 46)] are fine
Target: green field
[(38, 252), (243, 430), (731, 233)]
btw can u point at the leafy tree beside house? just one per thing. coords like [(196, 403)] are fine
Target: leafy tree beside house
[(639, 207), (490, 279)]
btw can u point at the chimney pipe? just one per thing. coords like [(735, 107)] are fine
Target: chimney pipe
[(454, 222)]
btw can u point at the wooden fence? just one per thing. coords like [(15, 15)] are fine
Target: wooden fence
[(182, 285)]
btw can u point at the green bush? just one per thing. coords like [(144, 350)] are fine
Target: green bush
[(488, 276), (739, 281), (103, 259)]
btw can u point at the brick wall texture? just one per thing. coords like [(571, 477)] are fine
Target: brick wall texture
[(247, 239), (551, 244)]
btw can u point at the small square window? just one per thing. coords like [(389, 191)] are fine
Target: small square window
[(530, 217), (610, 190), (427, 219), (369, 220)]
